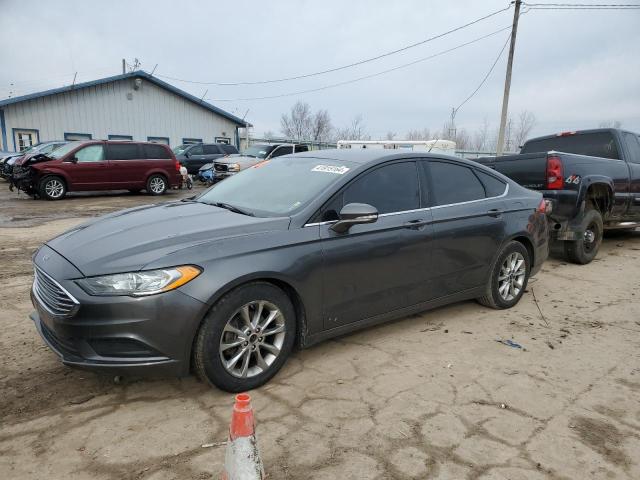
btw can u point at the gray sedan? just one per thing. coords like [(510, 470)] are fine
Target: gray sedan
[(287, 253)]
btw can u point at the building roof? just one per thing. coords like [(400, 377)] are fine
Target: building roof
[(115, 78)]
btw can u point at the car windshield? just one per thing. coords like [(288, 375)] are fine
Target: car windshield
[(259, 151), (180, 149), (63, 150), (277, 187)]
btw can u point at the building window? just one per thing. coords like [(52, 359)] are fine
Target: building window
[(70, 136), (226, 140), (164, 140), (24, 138), (120, 137), (187, 141)]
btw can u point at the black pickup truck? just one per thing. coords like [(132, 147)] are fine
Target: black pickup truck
[(591, 179)]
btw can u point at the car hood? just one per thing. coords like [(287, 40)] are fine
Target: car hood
[(130, 239), (235, 158)]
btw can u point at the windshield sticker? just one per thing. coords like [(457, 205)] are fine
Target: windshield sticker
[(330, 169)]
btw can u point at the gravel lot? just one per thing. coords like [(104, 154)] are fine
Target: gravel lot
[(429, 396)]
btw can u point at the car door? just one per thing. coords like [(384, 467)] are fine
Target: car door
[(632, 144), (196, 158), (88, 168), (127, 164), (468, 225), (375, 268)]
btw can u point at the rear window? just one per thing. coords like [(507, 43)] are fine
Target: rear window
[(600, 144), (122, 151), (156, 152)]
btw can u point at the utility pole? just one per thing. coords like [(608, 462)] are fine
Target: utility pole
[(507, 80)]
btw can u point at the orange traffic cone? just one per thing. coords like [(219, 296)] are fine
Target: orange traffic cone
[(242, 459)]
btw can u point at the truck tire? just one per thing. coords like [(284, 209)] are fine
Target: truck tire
[(583, 251), (52, 187)]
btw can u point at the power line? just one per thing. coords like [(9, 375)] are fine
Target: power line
[(486, 76), (582, 6), (343, 67), (326, 87)]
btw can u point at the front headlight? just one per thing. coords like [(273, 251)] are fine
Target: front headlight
[(234, 167), (140, 283)]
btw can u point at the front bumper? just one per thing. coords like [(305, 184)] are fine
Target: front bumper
[(121, 335)]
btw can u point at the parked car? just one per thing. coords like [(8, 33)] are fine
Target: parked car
[(292, 251), (195, 155), (227, 166), (99, 165), (590, 177), (6, 167)]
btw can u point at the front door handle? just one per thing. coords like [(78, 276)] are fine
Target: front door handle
[(417, 223), (495, 212)]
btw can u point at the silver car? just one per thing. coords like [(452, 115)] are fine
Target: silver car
[(232, 164)]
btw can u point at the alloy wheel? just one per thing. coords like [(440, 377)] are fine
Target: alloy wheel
[(157, 185), (252, 339), (54, 188), (512, 275)]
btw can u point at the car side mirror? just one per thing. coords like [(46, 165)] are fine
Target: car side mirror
[(73, 159), (355, 214)]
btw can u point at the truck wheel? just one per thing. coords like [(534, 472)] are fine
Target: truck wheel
[(52, 188), (156, 185), (508, 277), (584, 250)]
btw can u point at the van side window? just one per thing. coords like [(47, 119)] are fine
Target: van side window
[(453, 183), (156, 152), (91, 153), (197, 150), (122, 151), (228, 149), (211, 149)]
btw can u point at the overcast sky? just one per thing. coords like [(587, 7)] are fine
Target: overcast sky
[(572, 69)]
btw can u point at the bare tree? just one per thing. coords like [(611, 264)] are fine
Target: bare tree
[(424, 134), (298, 123), (481, 137), (355, 131), (390, 135), (524, 125), (268, 135), (610, 124), (321, 127)]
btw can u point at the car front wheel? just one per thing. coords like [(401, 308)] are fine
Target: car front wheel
[(245, 338), (508, 278), (52, 188)]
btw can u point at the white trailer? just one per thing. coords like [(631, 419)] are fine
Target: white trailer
[(435, 146)]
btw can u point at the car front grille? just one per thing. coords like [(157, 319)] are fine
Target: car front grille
[(51, 296), (220, 167)]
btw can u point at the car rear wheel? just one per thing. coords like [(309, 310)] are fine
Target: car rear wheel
[(509, 277), (584, 250), (52, 188), (245, 338), (156, 184)]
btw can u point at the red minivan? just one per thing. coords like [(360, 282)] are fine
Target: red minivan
[(100, 165)]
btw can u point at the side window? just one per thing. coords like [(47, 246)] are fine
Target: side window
[(633, 146), (122, 151), (229, 149), (197, 150), (92, 153), (392, 188), (282, 151), (453, 183), (211, 149), (155, 152), (492, 185), (302, 148)]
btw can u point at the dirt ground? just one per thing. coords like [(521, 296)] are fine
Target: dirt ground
[(430, 396)]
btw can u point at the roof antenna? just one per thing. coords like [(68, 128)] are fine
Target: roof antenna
[(74, 79), (204, 95), (154, 69)]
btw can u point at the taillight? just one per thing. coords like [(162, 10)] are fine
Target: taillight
[(555, 179)]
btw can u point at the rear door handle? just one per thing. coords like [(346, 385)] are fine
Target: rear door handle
[(495, 212), (417, 223)]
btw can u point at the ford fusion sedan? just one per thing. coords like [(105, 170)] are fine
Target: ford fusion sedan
[(287, 253)]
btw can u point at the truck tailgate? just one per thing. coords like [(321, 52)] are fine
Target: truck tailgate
[(529, 170)]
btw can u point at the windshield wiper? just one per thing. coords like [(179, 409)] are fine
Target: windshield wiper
[(232, 208)]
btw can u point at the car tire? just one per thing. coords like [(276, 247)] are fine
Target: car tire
[(157, 184), (508, 280), (583, 251), (221, 326), (52, 187)]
